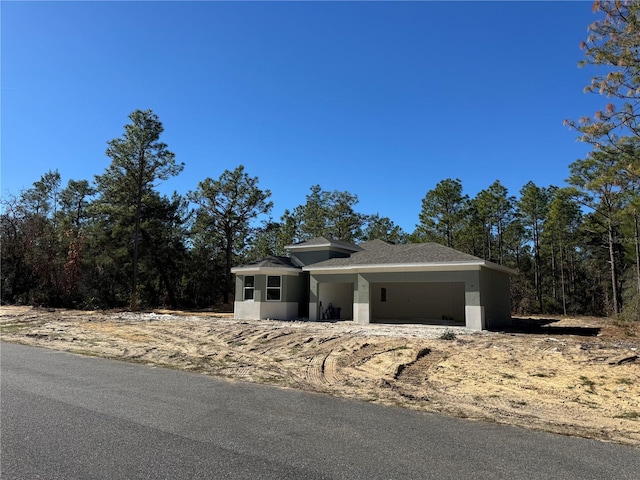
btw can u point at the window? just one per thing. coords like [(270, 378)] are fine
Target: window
[(274, 288), (383, 294), (249, 284)]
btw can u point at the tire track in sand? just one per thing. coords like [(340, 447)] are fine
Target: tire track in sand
[(323, 370)]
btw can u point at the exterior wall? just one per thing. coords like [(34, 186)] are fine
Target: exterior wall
[(303, 299), (246, 310), (279, 310), (291, 290), (463, 276), (304, 258), (496, 298)]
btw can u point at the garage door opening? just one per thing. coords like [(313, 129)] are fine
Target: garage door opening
[(435, 303)]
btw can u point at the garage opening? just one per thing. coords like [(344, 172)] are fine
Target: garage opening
[(335, 301), (437, 303)]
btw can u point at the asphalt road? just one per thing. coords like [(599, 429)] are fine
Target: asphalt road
[(67, 417)]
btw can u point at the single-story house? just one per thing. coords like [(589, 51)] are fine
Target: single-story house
[(375, 282)]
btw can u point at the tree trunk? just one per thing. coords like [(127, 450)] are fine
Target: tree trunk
[(564, 299), (136, 236), (164, 277), (229, 259), (538, 267), (134, 274), (553, 271), (612, 261), (500, 245), (637, 245)]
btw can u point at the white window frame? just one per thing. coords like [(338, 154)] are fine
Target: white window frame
[(278, 288), (245, 288)]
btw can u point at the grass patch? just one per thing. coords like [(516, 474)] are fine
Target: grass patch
[(590, 384), (448, 335), (624, 381), (16, 328), (508, 376), (628, 415), (399, 347), (586, 403)]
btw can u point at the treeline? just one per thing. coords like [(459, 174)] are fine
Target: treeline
[(118, 242)]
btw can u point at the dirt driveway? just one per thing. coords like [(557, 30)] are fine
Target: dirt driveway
[(575, 376)]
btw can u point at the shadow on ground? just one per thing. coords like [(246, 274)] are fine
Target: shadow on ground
[(544, 326)]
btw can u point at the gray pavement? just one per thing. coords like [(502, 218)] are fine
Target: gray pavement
[(65, 416)]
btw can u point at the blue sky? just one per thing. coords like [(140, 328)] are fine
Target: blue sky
[(382, 99)]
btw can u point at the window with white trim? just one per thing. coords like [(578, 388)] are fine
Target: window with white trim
[(274, 288), (249, 285)]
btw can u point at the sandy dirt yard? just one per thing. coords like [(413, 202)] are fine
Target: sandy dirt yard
[(574, 376)]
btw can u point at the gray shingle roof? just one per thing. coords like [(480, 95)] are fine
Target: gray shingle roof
[(325, 241), (270, 262), (378, 252)]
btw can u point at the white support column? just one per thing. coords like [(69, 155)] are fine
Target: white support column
[(313, 312), (474, 317), (361, 302), (474, 308), (361, 313), (314, 288)]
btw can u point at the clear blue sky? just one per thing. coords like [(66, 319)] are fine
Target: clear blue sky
[(381, 99)]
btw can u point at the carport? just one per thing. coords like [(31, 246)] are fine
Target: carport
[(335, 301)]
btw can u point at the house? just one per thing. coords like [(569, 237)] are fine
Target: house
[(375, 282)]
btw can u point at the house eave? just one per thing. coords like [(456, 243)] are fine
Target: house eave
[(410, 267)]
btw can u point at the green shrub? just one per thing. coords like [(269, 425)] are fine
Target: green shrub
[(448, 335)]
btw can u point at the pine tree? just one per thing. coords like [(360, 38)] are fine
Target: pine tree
[(138, 160), (532, 208), (228, 205), (442, 213)]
